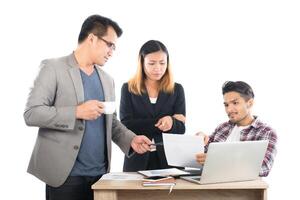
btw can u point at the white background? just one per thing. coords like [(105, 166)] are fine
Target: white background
[(209, 42)]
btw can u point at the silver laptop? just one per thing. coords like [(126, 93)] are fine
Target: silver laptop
[(231, 161)]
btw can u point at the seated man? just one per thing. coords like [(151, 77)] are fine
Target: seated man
[(242, 125)]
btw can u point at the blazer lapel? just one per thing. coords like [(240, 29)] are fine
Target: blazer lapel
[(76, 78)]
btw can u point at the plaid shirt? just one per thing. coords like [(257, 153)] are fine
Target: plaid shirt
[(256, 131)]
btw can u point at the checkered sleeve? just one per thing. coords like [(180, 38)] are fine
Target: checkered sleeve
[(219, 134), (270, 153)]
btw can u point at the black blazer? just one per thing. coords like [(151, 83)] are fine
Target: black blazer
[(140, 116)]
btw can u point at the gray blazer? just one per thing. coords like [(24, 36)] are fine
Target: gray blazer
[(51, 106)]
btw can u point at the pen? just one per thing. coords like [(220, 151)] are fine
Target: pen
[(157, 144), (171, 188)]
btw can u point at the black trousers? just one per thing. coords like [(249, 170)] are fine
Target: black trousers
[(74, 188)]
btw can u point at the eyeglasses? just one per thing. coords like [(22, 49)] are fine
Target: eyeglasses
[(110, 45)]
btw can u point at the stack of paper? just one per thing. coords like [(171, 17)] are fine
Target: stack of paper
[(119, 176), (166, 181)]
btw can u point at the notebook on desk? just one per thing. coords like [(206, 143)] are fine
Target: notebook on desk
[(231, 161), (164, 181)]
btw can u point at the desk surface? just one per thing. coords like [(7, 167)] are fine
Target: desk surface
[(180, 184), (133, 190)]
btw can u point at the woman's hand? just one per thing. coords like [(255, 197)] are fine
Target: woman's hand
[(165, 123)]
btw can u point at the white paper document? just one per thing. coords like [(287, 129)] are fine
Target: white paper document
[(119, 176), (181, 150), (163, 172)]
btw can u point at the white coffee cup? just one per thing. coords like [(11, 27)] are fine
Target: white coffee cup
[(109, 107)]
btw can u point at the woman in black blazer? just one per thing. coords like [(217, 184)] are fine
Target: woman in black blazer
[(151, 103)]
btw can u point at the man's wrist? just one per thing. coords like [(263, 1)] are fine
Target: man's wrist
[(77, 112)]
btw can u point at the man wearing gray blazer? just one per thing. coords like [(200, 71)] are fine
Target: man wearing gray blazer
[(73, 147)]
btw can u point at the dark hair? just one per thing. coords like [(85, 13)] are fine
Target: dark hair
[(150, 47), (239, 86), (97, 25), (136, 84)]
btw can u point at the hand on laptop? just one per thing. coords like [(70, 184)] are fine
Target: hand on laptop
[(200, 157), (205, 137)]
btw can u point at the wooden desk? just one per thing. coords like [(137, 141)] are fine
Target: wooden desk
[(183, 190)]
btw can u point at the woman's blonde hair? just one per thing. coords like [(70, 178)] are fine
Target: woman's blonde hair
[(136, 85)]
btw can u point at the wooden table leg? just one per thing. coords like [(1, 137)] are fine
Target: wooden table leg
[(105, 195), (264, 194)]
